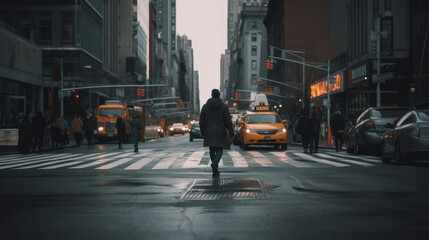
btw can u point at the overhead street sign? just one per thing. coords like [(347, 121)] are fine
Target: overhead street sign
[(383, 77)]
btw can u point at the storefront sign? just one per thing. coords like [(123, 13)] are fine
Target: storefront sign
[(9, 137), (359, 74), (319, 89)]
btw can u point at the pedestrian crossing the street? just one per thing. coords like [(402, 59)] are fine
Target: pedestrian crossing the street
[(154, 159)]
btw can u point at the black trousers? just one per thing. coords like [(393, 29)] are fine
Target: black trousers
[(338, 138), (38, 141), (314, 142), (305, 140), (78, 138)]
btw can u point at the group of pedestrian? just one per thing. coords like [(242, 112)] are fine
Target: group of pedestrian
[(309, 128)]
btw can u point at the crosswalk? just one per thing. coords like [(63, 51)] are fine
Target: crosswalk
[(155, 159)]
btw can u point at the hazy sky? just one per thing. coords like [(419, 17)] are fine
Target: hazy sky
[(205, 23)]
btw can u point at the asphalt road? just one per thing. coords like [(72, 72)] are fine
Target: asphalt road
[(104, 193)]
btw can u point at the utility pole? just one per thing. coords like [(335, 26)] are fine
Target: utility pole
[(61, 94), (378, 60), (328, 80)]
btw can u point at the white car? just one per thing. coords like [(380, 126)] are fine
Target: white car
[(177, 128)]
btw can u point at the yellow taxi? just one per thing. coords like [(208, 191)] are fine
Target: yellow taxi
[(263, 126)]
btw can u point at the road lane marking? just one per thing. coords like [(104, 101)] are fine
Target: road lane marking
[(237, 159), (97, 162), (32, 158), (139, 164), (282, 156), (308, 157), (357, 157), (264, 162), (164, 163), (193, 161), (63, 165), (344, 160), (47, 159), (101, 156), (48, 163), (255, 154), (114, 164)]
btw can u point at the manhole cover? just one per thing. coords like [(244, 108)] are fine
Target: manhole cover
[(213, 189)]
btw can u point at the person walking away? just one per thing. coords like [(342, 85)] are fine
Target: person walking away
[(90, 126), (136, 126), (337, 128), (39, 124), (215, 121), (77, 128), (120, 126), (66, 132), (314, 140), (305, 128), (24, 133)]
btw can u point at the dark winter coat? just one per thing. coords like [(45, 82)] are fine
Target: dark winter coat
[(90, 124), (316, 124), (305, 126), (120, 126), (39, 124), (337, 124), (136, 126), (215, 120)]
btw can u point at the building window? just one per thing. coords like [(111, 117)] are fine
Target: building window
[(254, 65), (254, 50), (254, 37), (67, 20), (45, 24), (254, 25)]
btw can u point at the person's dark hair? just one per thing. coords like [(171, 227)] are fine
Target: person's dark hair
[(215, 93)]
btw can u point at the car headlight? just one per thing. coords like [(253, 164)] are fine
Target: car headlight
[(250, 130), (171, 129), (183, 128), (100, 128), (159, 130), (281, 130)]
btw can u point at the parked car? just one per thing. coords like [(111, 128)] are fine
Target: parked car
[(195, 131), (407, 139), (177, 128), (365, 135)]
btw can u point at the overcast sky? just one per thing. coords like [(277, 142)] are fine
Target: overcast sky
[(205, 23)]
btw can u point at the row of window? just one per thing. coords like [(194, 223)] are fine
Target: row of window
[(25, 24)]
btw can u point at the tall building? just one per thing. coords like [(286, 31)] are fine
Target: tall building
[(166, 33), (316, 30), (71, 32), (224, 74)]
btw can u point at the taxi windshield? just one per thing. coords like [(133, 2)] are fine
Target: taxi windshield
[(263, 118), (110, 112)]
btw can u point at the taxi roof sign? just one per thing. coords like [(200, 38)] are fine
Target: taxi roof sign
[(262, 108)]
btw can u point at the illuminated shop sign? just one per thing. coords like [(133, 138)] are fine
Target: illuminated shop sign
[(319, 89)]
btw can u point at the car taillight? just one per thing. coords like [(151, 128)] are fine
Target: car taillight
[(370, 124)]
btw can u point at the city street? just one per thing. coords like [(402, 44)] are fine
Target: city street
[(166, 191)]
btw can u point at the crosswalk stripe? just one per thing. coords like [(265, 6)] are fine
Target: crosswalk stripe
[(193, 161), (47, 163), (139, 164), (344, 160), (264, 162), (362, 158), (288, 160), (237, 159), (46, 159), (114, 164), (17, 156), (63, 165), (255, 154), (31, 158), (97, 162), (164, 163), (308, 157), (102, 156)]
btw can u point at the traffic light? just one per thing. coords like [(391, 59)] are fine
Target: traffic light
[(269, 65), (234, 104), (259, 81)]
